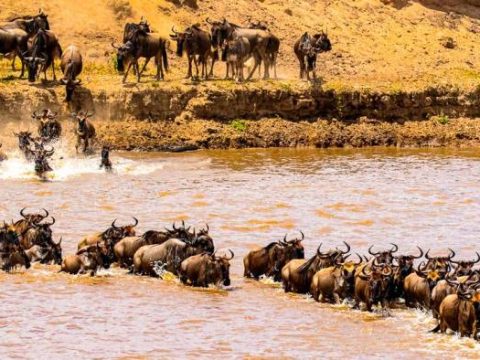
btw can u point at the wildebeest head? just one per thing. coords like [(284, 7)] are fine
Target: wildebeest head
[(321, 42), (432, 276), (24, 140), (384, 257), (294, 248), (124, 54), (220, 31), (43, 232), (34, 218), (70, 86), (405, 263), (116, 233), (378, 278), (41, 21), (82, 122), (204, 242), (441, 263), (180, 38), (41, 160), (329, 258), (223, 266), (346, 279), (33, 63), (56, 251), (464, 268), (97, 255)]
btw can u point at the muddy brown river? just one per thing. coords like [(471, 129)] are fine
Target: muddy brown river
[(429, 198)]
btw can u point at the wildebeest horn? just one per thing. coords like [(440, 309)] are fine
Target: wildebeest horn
[(113, 224), (364, 273), (319, 253), (51, 224), (394, 249), (115, 46), (452, 254), (60, 241), (371, 252), (348, 248), (21, 213), (478, 258), (49, 152), (426, 255), (174, 227), (208, 227), (135, 220), (390, 271), (231, 255), (359, 258), (421, 266), (421, 253), (207, 20), (174, 31)]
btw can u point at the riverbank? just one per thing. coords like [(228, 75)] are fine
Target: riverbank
[(181, 115)]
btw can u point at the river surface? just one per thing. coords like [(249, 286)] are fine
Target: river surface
[(429, 198)]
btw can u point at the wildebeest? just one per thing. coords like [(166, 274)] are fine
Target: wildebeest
[(14, 41), (46, 254), (3, 156), (25, 143), (459, 312), (465, 267), (197, 44), (384, 257), (307, 48), (45, 48), (106, 163), (403, 268), (71, 65), (371, 286), (49, 128), (146, 45), (419, 284), (88, 259), (11, 252), (204, 269), (38, 234), (237, 52), (168, 256), (297, 274), (335, 282), (40, 158), (84, 130), (270, 260), (111, 236), (28, 220), (130, 28)]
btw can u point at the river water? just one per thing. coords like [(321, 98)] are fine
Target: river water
[(428, 198)]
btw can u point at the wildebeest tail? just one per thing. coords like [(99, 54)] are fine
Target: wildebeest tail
[(58, 51)]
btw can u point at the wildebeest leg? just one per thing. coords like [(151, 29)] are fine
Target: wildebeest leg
[(266, 65), (254, 67), (85, 144), (126, 72), (144, 66), (189, 72), (196, 66), (53, 70), (139, 73), (13, 61)]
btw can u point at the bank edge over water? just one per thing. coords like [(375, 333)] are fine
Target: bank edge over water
[(260, 114)]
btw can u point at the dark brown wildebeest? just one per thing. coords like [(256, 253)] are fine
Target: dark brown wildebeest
[(270, 259), (88, 259), (71, 65), (297, 274), (459, 312), (335, 282), (46, 254), (106, 163), (260, 42), (403, 268), (237, 52), (49, 128), (130, 28), (204, 269), (85, 131), (142, 45), (14, 41), (40, 159), (441, 263), (28, 221), (11, 252), (25, 143), (419, 284), (383, 257), (45, 48), (465, 267), (167, 256), (371, 286), (197, 44), (307, 48)]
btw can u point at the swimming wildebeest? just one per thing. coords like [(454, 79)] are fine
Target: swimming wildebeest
[(371, 286), (46, 254), (205, 269), (297, 274), (49, 128), (270, 260), (11, 252), (105, 162), (71, 65), (28, 220), (45, 48), (25, 143), (40, 158), (88, 259), (197, 44), (419, 284), (142, 45), (38, 234), (307, 48), (84, 130)]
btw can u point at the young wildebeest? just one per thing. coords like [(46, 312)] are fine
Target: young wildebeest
[(84, 130), (40, 158), (71, 65), (146, 45), (105, 162), (49, 127), (297, 274), (335, 282), (45, 48), (307, 48), (270, 259), (90, 258), (197, 44), (237, 52), (205, 269)]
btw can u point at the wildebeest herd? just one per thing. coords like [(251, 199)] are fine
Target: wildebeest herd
[(34, 148), (32, 40), (447, 287)]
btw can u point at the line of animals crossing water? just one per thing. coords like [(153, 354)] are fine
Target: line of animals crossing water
[(444, 285), (31, 39), (39, 149)]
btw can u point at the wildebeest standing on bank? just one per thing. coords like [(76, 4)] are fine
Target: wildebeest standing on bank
[(237, 52), (45, 48), (14, 41), (307, 48), (71, 65), (146, 45), (197, 44), (84, 130)]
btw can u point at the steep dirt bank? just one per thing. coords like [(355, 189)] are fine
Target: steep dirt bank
[(178, 116)]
